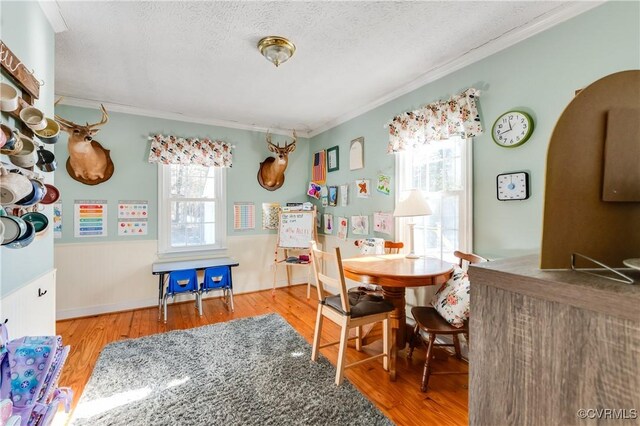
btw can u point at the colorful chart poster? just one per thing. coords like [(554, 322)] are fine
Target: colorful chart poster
[(57, 220), (132, 227), (270, 212), (244, 216), (90, 217), (133, 209)]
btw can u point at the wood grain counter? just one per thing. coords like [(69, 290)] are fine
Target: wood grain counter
[(545, 344)]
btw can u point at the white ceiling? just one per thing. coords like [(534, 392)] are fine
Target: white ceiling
[(199, 59)]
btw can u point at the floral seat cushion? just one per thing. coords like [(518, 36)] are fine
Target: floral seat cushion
[(452, 300)]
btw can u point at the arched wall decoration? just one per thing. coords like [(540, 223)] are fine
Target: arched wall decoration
[(600, 125)]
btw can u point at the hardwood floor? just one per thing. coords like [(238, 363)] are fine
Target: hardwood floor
[(444, 404)]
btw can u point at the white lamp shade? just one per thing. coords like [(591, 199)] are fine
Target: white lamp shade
[(413, 205)]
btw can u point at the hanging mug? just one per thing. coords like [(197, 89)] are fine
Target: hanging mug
[(35, 196), (26, 158), (13, 187), (10, 136), (46, 160)]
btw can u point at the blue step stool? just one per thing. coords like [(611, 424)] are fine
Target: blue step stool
[(218, 278), (180, 282)]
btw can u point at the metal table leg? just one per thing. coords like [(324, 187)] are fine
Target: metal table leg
[(160, 294)]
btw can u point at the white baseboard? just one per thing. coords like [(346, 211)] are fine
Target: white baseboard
[(87, 311)]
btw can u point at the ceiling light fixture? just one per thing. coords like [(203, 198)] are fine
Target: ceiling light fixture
[(276, 49)]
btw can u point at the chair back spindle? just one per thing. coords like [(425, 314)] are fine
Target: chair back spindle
[(391, 247), (322, 260)]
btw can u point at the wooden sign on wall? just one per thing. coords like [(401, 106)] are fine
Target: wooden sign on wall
[(18, 71)]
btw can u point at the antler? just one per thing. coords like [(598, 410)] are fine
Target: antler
[(295, 138), (103, 121), (60, 119), (269, 140)]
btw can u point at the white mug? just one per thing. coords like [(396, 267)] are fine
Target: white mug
[(13, 187), (33, 117), (27, 156), (8, 98)]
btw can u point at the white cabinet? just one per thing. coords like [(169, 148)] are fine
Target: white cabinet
[(31, 310)]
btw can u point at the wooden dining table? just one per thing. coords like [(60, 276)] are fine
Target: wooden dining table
[(394, 273)]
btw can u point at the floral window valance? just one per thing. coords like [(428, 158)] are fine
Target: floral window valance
[(175, 150), (440, 120)]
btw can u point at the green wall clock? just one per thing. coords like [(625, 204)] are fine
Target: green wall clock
[(511, 129)]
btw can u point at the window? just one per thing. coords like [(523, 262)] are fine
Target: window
[(192, 208), (442, 171)]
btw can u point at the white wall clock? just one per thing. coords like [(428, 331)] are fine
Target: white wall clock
[(513, 186), (512, 129)]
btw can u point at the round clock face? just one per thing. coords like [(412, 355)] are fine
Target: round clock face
[(512, 128)]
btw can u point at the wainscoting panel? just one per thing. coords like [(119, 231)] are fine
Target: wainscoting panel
[(112, 276)]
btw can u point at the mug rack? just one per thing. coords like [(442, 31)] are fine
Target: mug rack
[(25, 81)]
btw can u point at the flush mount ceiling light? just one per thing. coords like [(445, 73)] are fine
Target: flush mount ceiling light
[(276, 49)]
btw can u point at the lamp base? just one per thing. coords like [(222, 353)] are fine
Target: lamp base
[(412, 256)]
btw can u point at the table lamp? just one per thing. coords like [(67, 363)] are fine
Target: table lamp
[(413, 205)]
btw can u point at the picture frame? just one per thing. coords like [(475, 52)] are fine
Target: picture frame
[(333, 196), (356, 154), (333, 159)]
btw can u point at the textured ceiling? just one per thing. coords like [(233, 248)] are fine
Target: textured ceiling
[(200, 58)]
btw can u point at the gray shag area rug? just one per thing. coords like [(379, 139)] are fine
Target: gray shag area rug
[(251, 371)]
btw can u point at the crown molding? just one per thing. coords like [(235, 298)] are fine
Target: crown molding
[(550, 19), (53, 14), (133, 110)]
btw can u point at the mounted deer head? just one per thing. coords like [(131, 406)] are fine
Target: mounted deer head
[(89, 162), (271, 173)]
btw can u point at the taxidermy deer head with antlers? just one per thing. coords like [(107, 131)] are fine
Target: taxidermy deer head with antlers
[(271, 173), (89, 162)]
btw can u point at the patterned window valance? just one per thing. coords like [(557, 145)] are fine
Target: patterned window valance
[(175, 150), (440, 120)]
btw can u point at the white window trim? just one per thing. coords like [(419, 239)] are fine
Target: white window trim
[(164, 218), (466, 224)]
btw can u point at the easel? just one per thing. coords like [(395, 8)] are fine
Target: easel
[(294, 234)]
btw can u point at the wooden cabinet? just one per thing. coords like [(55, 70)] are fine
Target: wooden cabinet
[(545, 344)]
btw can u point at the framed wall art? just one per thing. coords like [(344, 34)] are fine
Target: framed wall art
[(333, 159)]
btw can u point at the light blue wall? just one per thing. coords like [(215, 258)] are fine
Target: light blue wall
[(538, 75), (26, 31), (134, 178)]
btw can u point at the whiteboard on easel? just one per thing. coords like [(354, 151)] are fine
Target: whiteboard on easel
[(296, 229)]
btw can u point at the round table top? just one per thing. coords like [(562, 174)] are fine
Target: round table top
[(397, 270)]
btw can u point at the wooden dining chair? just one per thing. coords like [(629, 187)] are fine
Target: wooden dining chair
[(391, 247), (348, 310), (431, 322)]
